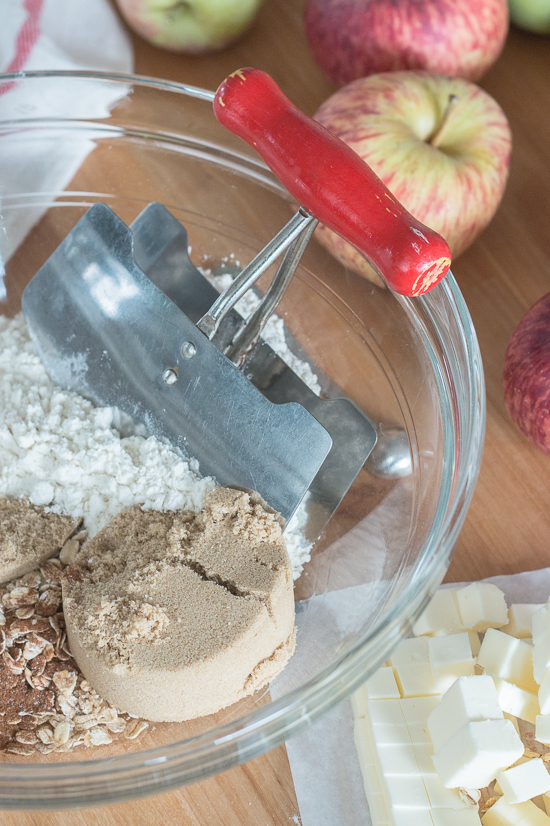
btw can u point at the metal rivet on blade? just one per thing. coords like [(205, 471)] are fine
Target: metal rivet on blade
[(170, 376), (188, 349)]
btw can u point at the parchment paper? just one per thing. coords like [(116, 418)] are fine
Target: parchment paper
[(323, 759)]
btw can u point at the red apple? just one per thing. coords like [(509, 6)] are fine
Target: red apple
[(353, 38), (526, 376), (441, 145)]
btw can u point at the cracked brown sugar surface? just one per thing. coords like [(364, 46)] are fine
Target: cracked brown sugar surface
[(173, 616)]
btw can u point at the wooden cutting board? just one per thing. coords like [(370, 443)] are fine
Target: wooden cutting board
[(502, 275)]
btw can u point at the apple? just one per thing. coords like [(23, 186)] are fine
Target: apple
[(192, 26), (353, 38), (533, 15), (526, 375), (441, 145)]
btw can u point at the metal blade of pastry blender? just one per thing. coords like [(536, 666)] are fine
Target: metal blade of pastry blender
[(104, 330), (161, 251)]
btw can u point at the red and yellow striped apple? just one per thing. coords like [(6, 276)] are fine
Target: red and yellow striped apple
[(526, 375), (353, 38), (441, 145)]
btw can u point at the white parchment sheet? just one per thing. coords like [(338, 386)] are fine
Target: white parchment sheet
[(323, 759)]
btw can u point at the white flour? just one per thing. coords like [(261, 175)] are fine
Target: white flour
[(58, 450)]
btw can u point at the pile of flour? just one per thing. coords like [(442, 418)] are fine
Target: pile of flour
[(58, 450)]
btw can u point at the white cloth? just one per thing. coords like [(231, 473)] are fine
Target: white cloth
[(62, 34), (52, 34)]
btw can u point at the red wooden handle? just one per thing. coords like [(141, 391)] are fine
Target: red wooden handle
[(332, 182)]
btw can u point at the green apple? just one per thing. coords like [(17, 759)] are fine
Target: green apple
[(533, 15), (441, 145), (192, 26)]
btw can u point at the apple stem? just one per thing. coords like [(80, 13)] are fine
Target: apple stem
[(435, 137)]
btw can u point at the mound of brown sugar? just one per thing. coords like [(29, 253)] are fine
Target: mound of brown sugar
[(171, 616), (29, 536)]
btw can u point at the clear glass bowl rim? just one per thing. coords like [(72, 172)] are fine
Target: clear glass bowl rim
[(115, 779)]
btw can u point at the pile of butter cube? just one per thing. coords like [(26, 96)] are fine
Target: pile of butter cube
[(439, 722)]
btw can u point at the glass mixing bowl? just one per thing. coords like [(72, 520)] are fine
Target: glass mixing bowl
[(68, 140)]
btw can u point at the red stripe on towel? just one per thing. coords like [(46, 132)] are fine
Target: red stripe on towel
[(26, 38)]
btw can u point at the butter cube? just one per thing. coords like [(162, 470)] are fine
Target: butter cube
[(418, 732), (409, 651), (521, 760), (451, 658), (441, 797), (516, 701), (369, 770), (362, 734), (535, 818), (416, 680), (455, 817), (476, 753), (398, 761), (508, 658), (441, 616), (411, 817), (378, 809), (390, 735), (540, 623), (406, 793), (542, 729), (475, 642), (503, 813), (481, 606), (424, 753), (541, 655), (469, 699), (359, 702), (544, 693), (523, 782), (382, 685), (384, 711), (418, 709), (520, 620), (371, 781)]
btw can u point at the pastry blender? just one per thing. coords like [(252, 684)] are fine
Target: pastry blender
[(120, 315)]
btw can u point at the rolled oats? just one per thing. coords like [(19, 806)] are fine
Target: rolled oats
[(65, 681), (25, 613), (69, 551), (134, 728), (28, 738), (23, 751), (99, 736), (50, 706), (45, 734), (61, 733)]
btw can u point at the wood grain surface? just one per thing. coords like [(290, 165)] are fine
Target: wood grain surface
[(508, 268)]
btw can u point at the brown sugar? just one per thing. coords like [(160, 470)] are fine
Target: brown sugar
[(172, 616), (29, 536)]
